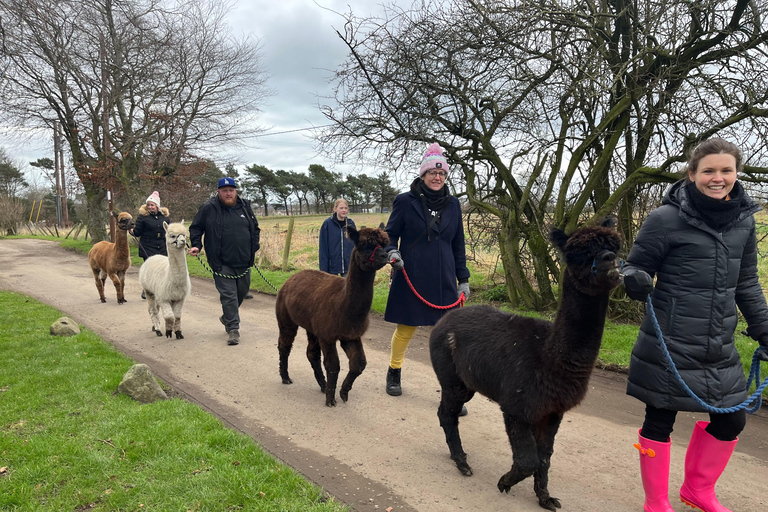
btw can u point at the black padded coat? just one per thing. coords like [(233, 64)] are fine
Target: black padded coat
[(208, 222), (701, 276), (150, 232)]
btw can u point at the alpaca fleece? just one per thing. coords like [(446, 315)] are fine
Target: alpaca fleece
[(165, 280), (112, 259), (535, 370), (332, 308)]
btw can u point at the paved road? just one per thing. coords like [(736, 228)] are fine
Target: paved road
[(376, 451)]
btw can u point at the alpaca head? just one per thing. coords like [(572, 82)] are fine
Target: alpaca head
[(369, 253), (175, 234), (124, 220), (591, 256)]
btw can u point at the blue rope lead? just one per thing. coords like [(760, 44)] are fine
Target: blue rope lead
[(754, 374)]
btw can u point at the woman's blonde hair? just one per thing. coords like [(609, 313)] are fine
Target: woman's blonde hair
[(337, 202)]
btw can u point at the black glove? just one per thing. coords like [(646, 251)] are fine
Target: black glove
[(763, 341), (638, 285)]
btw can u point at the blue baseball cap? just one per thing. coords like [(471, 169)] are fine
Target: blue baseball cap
[(227, 182)]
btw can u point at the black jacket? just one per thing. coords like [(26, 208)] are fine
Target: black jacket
[(208, 221), (150, 232), (701, 276)]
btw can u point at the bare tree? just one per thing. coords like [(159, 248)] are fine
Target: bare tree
[(160, 80), (555, 112)]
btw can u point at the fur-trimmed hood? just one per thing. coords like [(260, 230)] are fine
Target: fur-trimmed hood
[(163, 211)]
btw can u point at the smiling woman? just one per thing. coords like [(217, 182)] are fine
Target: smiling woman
[(701, 245), (715, 175)]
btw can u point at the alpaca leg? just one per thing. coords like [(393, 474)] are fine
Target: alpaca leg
[(121, 291), (525, 459), (118, 289), (448, 414), (97, 276), (313, 354), (153, 313), (169, 317), (177, 306), (331, 363), (287, 331), (357, 363), (545, 442)]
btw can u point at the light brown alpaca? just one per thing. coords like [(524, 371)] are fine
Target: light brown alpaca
[(332, 308), (112, 259)]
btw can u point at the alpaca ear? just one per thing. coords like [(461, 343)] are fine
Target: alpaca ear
[(165, 226), (558, 238), (381, 225), (114, 214), (353, 234), (610, 222)]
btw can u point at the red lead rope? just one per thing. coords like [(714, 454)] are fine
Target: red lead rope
[(459, 302)]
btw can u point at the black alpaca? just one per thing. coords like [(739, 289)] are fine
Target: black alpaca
[(536, 370), (330, 307)]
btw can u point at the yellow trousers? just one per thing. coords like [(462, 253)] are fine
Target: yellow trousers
[(400, 340)]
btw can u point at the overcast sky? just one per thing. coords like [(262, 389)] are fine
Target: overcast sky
[(300, 52)]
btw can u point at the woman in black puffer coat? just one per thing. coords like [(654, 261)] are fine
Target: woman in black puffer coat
[(701, 246), (149, 228)]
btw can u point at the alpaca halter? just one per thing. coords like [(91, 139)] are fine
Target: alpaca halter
[(594, 267), (370, 260), (181, 241)]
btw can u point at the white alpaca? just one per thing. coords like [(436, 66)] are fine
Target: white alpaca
[(165, 280)]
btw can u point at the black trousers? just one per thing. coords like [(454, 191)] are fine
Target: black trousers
[(232, 292), (659, 424)]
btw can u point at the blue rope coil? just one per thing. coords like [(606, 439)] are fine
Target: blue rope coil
[(754, 374)]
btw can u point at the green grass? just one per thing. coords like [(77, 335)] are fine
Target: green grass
[(68, 442)]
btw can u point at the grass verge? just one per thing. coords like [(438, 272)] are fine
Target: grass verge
[(68, 442)]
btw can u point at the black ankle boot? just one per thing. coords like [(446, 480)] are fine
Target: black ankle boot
[(393, 382)]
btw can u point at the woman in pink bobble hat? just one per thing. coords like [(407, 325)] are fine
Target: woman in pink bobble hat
[(426, 237), (149, 228)]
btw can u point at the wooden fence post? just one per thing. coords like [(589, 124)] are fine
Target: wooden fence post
[(287, 248)]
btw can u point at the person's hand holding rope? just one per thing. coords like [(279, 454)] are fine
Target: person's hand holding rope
[(194, 251), (763, 341), (638, 285), (464, 288), (395, 259)]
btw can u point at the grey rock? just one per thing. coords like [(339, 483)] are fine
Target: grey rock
[(64, 326), (139, 383)]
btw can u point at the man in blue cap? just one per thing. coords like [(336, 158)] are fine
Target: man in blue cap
[(231, 241)]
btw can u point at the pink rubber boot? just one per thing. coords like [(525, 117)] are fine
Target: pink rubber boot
[(654, 469), (705, 461)]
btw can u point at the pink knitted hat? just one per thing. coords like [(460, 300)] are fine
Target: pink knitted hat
[(154, 198), (433, 159)]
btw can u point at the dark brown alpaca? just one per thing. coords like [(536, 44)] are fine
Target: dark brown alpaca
[(536, 370), (332, 308), (112, 259)]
